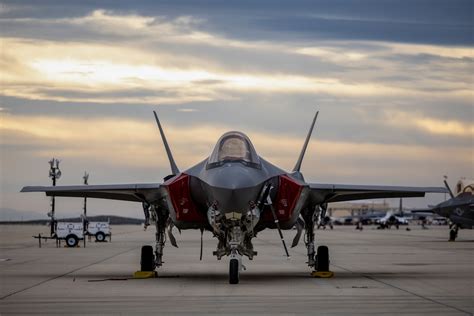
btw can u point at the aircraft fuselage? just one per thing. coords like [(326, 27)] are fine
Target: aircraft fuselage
[(233, 189)]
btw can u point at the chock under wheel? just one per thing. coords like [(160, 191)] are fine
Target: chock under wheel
[(322, 274), (145, 274)]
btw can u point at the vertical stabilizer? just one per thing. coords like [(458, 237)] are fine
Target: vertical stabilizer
[(174, 168), (303, 150)]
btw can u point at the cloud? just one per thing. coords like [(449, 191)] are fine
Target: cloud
[(35, 68), (111, 139), (187, 110), (419, 21), (430, 125)]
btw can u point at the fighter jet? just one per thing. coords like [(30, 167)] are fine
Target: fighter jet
[(235, 194), (459, 209), (392, 219)]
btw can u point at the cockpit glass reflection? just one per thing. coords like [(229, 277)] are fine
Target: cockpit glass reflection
[(231, 147)]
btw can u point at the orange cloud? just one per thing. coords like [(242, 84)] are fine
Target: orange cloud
[(430, 125)]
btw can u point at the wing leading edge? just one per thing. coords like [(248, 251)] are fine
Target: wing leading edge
[(327, 193), (145, 192)]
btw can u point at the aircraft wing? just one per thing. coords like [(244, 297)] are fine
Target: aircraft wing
[(148, 192), (422, 211), (327, 193)]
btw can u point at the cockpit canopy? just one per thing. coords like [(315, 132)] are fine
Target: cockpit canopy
[(464, 186), (234, 147)]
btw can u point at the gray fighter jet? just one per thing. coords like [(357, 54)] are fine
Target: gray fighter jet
[(459, 209), (234, 193)]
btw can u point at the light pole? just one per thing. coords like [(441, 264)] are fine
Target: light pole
[(85, 222), (86, 182), (54, 174)]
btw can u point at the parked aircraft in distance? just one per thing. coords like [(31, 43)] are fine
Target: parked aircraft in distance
[(459, 209), (393, 219), (235, 193)]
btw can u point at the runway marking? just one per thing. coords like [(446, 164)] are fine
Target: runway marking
[(64, 274)]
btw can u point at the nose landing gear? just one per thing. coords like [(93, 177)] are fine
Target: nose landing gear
[(234, 271)]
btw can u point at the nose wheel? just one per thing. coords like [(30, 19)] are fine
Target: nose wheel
[(235, 266), (234, 271)]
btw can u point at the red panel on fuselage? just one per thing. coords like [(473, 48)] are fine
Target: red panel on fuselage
[(180, 195), (288, 194)]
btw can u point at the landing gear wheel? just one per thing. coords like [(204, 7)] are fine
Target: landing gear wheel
[(452, 235), (322, 259), (99, 237), (147, 262), (71, 241), (234, 271)]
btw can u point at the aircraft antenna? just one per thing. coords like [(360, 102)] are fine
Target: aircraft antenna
[(174, 167), (303, 150)]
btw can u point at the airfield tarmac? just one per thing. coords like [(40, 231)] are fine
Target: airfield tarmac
[(376, 273)]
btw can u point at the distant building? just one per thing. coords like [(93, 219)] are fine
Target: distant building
[(342, 209)]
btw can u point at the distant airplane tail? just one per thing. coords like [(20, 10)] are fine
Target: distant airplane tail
[(303, 150), (174, 167)]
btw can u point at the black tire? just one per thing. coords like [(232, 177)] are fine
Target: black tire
[(322, 259), (147, 262), (100, 237), (234, 271), (452, 235), (72, 241)]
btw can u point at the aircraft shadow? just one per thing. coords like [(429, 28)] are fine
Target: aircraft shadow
[(272, 277)]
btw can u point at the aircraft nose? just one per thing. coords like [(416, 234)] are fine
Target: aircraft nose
[(233, 177), (233, 187), (235, 200)]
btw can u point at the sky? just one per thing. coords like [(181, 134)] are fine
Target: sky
[(393, 81)]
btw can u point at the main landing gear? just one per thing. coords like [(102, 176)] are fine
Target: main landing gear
[(233, 244), (319, 261), (453, 232), (322, 259), (147, 260), (151, 259)]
